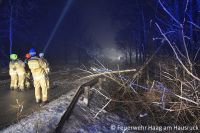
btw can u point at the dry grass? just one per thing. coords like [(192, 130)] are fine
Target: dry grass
[(166, 100)]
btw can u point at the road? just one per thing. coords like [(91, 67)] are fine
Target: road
[(60, 84)]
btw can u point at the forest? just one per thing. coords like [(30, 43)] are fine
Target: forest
[(146, 51)]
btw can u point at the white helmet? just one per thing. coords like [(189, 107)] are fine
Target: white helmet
[(41, 55)]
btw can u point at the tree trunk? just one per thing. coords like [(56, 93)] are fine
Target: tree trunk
[(130, 56), (11, 30), (136, 54)]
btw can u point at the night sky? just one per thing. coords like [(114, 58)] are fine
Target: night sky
[(86, 21)]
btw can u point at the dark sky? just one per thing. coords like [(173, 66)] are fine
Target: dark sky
[(85, 18), (92, 17)]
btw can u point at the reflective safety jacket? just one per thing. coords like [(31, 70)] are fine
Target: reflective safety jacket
[(47, 69), (17, 67), (37, 67)]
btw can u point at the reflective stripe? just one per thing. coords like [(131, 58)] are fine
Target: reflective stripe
[(39, 77), (33, 64), (13, 73), (21, 74)]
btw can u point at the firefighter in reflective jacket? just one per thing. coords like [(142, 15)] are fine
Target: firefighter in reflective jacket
[(17, 73), (28, 72), (41, 55), (37, 67)]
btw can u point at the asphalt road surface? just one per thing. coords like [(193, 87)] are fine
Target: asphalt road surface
[(8, 99)]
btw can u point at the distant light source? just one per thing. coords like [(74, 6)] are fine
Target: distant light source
[(119, 57), (113, 54)]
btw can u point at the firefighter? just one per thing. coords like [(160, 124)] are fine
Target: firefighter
[(37, 67), (28, 72), (41, 55), (17, 73), (13, 72), (27, 57)]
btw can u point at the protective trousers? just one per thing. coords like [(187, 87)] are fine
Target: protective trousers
[(21, 81), (14, 81), (27, 80), (40, 85)]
